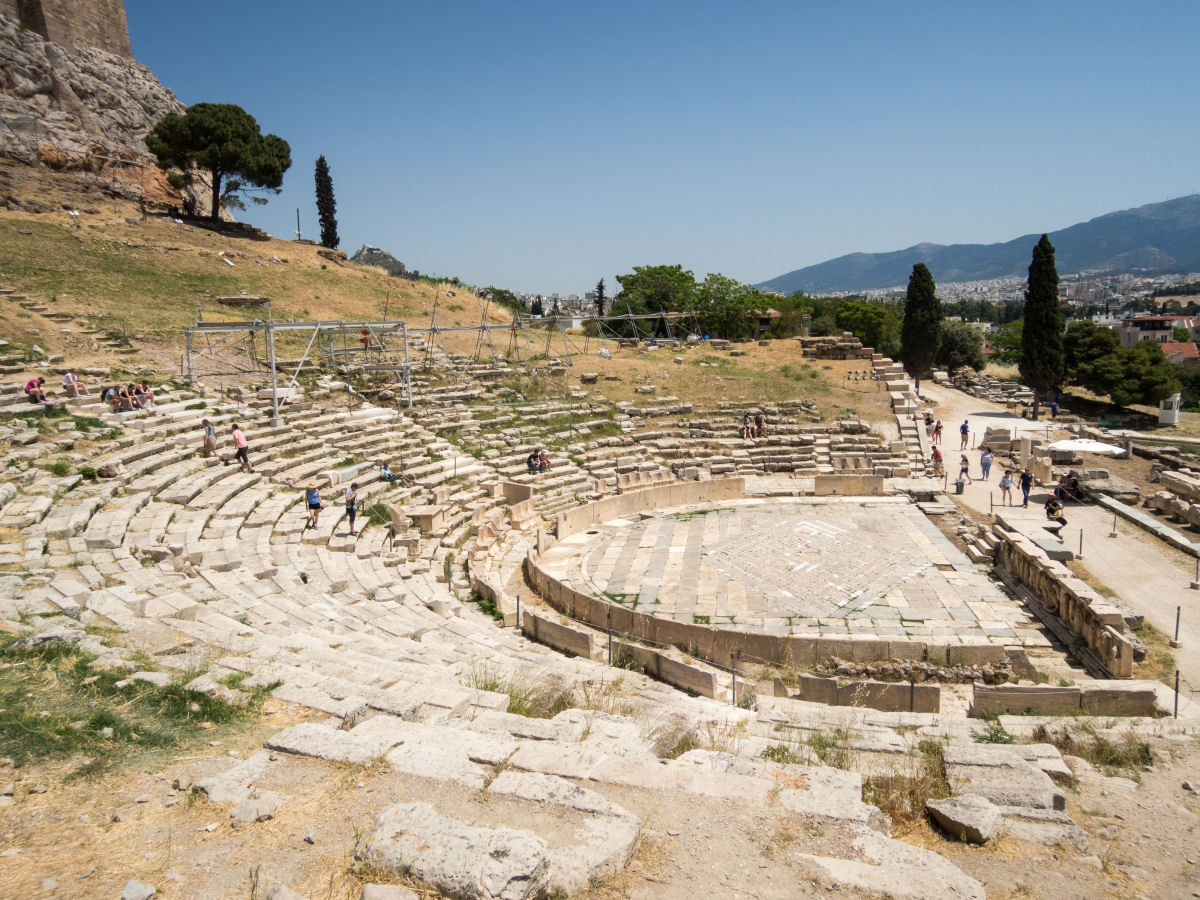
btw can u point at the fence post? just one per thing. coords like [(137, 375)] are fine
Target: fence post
[(733, 668), (1175, 645)]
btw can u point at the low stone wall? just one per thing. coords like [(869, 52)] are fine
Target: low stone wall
[(886, 696), (671, 671), (1098, 698), (1097, 626), (848, 485), (501, 600), (720, 645), (560, 637), (662, 496)]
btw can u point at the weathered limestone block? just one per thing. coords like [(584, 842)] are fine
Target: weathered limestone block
[(461, 860), (968, 817)]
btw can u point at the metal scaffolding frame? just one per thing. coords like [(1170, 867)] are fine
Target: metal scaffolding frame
[(386, 344)]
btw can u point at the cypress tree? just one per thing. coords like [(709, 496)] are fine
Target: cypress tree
[(921, 333), (600, 298), (326, 207), (1042, 362)]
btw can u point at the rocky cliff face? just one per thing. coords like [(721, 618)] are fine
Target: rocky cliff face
[(67, 109)]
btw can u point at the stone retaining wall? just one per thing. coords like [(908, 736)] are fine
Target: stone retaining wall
[(661, 497), (1097, 625), (672, 671), (560, 637), (886, 696), (1098, 698)]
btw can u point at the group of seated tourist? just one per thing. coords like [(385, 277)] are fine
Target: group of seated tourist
[(537, 461), (119, 399), (129, 397), (35, 388)]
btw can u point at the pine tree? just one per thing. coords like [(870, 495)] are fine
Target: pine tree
[(326, 207), (1042, 363), (600, 298), (921, 333)]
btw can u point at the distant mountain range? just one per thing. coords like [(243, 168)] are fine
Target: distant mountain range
[(1154, 239)]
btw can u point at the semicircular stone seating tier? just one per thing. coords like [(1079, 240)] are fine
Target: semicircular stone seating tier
[(203, 566)]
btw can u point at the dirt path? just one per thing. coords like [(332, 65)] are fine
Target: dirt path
[(1149, 577)]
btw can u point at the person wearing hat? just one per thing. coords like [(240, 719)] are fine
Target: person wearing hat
[(352, 505), (312, 499)]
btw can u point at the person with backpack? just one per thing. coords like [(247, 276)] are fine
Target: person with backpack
[(964, 431), (1026, 484)]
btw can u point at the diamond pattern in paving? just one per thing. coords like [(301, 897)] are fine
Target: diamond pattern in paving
[(798, 566)]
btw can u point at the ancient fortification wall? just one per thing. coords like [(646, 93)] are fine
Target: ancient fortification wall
[(74, 24)]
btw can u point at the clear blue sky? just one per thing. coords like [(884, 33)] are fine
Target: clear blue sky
[(540, 146)]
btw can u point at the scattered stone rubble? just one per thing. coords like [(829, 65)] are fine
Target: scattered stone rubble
[(845, 346), (918, 671), (989, 387)]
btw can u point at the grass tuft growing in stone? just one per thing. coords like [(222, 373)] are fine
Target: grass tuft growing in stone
[(54, 706), (995, 733), (1127, 755), (527, 696), (902, 796)]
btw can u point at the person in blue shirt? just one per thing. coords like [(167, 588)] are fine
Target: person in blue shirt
[(312, 500)]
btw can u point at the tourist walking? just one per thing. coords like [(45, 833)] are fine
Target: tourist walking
[(964, 431), (937, 431), (985, 463), (312, 502), (1006, 482), (210, 437), (242, 450), (964, 469), (352, 505), (1026, 484)]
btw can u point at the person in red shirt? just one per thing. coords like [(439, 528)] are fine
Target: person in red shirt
[(36, 390)]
